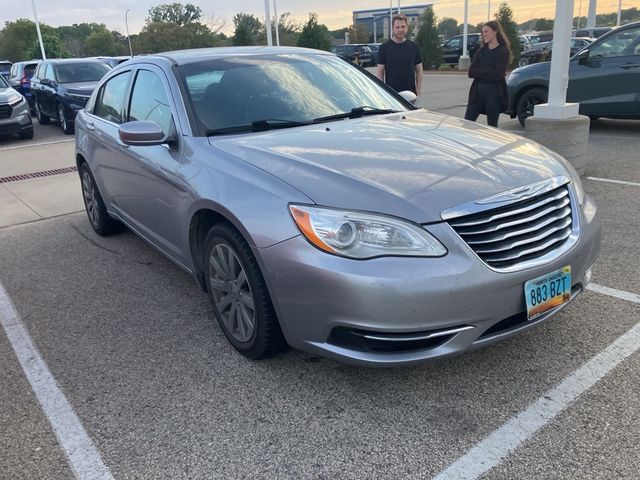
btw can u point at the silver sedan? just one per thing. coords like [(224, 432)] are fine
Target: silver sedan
[(320, 209)]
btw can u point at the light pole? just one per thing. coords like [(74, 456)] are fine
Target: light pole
[(619, 11), (267, 15), (126, 23), (275, 13), (35, 15), (489, 11)]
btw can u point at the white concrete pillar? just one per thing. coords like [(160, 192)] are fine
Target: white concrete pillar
[(591, 19), (557, 107), (464, 61), (275, 14)]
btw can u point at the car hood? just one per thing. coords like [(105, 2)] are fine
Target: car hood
[(81, 88), (541, 69), (6, 93), (412, 165)]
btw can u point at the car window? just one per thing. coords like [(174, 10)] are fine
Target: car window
[(48, 73), (618, 44), (454, 43), (582, 33), (149, 100), (298, 88), (112, 97), (81, 72)]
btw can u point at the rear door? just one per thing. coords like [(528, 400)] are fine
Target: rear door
[(608, 82), (451, 50)]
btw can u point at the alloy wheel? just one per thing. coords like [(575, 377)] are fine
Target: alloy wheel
[(232, 293), (90, 200)]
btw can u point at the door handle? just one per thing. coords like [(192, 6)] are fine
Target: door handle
[(90, 126)]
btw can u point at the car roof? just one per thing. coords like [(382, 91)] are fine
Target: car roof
[(183, 57), (71, 60)]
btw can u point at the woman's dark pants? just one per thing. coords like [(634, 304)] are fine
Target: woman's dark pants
[(487, 102)]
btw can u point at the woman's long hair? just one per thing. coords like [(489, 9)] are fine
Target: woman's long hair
[(502, 38)]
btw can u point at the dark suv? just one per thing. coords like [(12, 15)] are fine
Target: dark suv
[(5, 66), (452, 48), (359, 54), (20, 79), (61, 88), (603, 78)]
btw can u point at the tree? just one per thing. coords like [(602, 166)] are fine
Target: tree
[(53, 47), (314, 35), (74, 37), (358, 33), (544, 24), (17, 39), (504, 16), (175, 13), (163, 36), (101, 43), (428, 40), (448, 27), (249, 30), (288, 30)]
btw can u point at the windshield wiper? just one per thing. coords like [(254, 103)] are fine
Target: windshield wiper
[(355, 112), (257, 126)]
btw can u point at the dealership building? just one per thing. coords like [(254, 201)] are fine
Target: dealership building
[(377, 20)]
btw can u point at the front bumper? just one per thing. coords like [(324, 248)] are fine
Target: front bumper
[(325, 302), (18, 122)]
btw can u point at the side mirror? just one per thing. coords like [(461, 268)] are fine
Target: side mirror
[(14, 83), (583, 57), (409, 96), (45, 81), (142, 133)]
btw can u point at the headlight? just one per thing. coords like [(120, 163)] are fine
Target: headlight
[(363, 235), (15, 99), (75, 96)]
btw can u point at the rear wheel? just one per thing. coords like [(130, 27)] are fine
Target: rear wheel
[(239, 295), (42, 118), (101, 222), (528, 100)]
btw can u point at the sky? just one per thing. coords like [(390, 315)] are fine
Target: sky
[(333, 13)]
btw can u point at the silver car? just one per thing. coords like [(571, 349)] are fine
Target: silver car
[(14, 112), (320, 209)]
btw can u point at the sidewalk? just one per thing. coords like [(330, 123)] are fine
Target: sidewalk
[(54, 191)]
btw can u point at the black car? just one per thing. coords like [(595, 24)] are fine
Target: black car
[(20, 79), (603, 78), (375, 52), (593, 32), (542, 51), (452, 48), (358, 53), (62, 87), (5, 67)]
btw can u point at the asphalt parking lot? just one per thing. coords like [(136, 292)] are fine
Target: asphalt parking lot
[(112, 365)]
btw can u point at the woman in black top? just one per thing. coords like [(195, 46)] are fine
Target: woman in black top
[(488, 93)]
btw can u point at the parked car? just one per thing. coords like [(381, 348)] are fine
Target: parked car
[(113, 61), (452, 48), (61, 88), (360, 54), (542, 52), (20, 79), (427, 236), (593, 32), (603, 78), (14, 112), (5, 67), (540, 37), (525, 43), (375, 50)]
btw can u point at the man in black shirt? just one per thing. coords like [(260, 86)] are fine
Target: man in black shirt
[(400, 59)]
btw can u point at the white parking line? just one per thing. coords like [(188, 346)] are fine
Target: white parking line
[(511, 435), (82, 455), (608, 180), (36, 144)]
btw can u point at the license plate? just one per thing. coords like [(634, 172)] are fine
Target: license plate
[(547, 291)]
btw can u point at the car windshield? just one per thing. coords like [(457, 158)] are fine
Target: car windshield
[(81, 72), (233, 91), (3, 83), (5, 67)]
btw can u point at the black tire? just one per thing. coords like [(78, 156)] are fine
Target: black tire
[(239, 295), (101, 222), (27, 134), (527, 101), (42, 118), (65, 125)]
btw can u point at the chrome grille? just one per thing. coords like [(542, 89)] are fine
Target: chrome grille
[(506, 236), (5, 111)]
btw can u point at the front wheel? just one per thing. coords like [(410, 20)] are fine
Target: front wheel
[(101, 222), (239, 295), (66, 127), (528, 100), (42, 118)]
